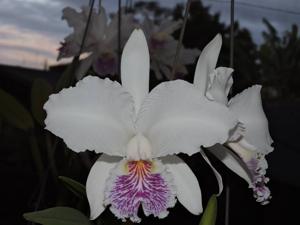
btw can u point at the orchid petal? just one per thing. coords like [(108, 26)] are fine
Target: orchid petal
[(188, 55), (167, 71), (70, 47), (95, 185), (95, 115), (73, 18), (232, 161), (170, 26), (207, 63), (247, 106), (128, 25), (175, 118), (148, 26), (227, 72), (156, 69), (84, 66), (220, 84), (244, 153), (98, 24), (218, 176), (188, 188), (135, 66)]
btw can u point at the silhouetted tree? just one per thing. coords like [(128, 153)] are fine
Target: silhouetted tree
[(279, 59), (202, 26)]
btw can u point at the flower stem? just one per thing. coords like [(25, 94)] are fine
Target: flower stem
[(70, 71), (231, 33), (100, 6), (231, 53), (119, 38), (179, 44), (92, 2), (227, 187)]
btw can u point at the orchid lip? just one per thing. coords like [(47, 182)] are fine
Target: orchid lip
[(258, 167), (135, 184)]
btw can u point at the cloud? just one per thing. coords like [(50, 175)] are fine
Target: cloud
[(37, 16), (32, 29), (25, 46), (13, 36)]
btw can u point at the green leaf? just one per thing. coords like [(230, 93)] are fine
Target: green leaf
[(58, 216), (75, 187), (40, 92), (210, 214), (14, 112)]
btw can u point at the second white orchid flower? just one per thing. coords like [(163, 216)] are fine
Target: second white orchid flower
[(102, 43), (251, 140), (139, 133), (101, 40), (162, 47)]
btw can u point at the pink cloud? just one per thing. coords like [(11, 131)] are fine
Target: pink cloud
[(21, 47)]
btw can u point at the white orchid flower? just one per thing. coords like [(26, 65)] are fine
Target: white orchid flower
[(251, 140), (139, 133), (162, 47), (101, 39)]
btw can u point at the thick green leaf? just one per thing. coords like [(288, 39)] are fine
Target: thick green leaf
[(40, 92), (12, 111), (210, 214), (58, 216), (75, 187)]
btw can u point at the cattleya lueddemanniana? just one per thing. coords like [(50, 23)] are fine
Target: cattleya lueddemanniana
[(162, 47), (255, 142), (102, 42), (139, 132)]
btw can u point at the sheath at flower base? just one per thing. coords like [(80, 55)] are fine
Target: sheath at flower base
[(138, 133), (255, 142), (162, 47), (101, 41)]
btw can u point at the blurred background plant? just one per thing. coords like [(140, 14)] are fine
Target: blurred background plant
[(40, 172)]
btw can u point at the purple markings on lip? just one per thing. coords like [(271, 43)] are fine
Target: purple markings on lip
[(140, 187)]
